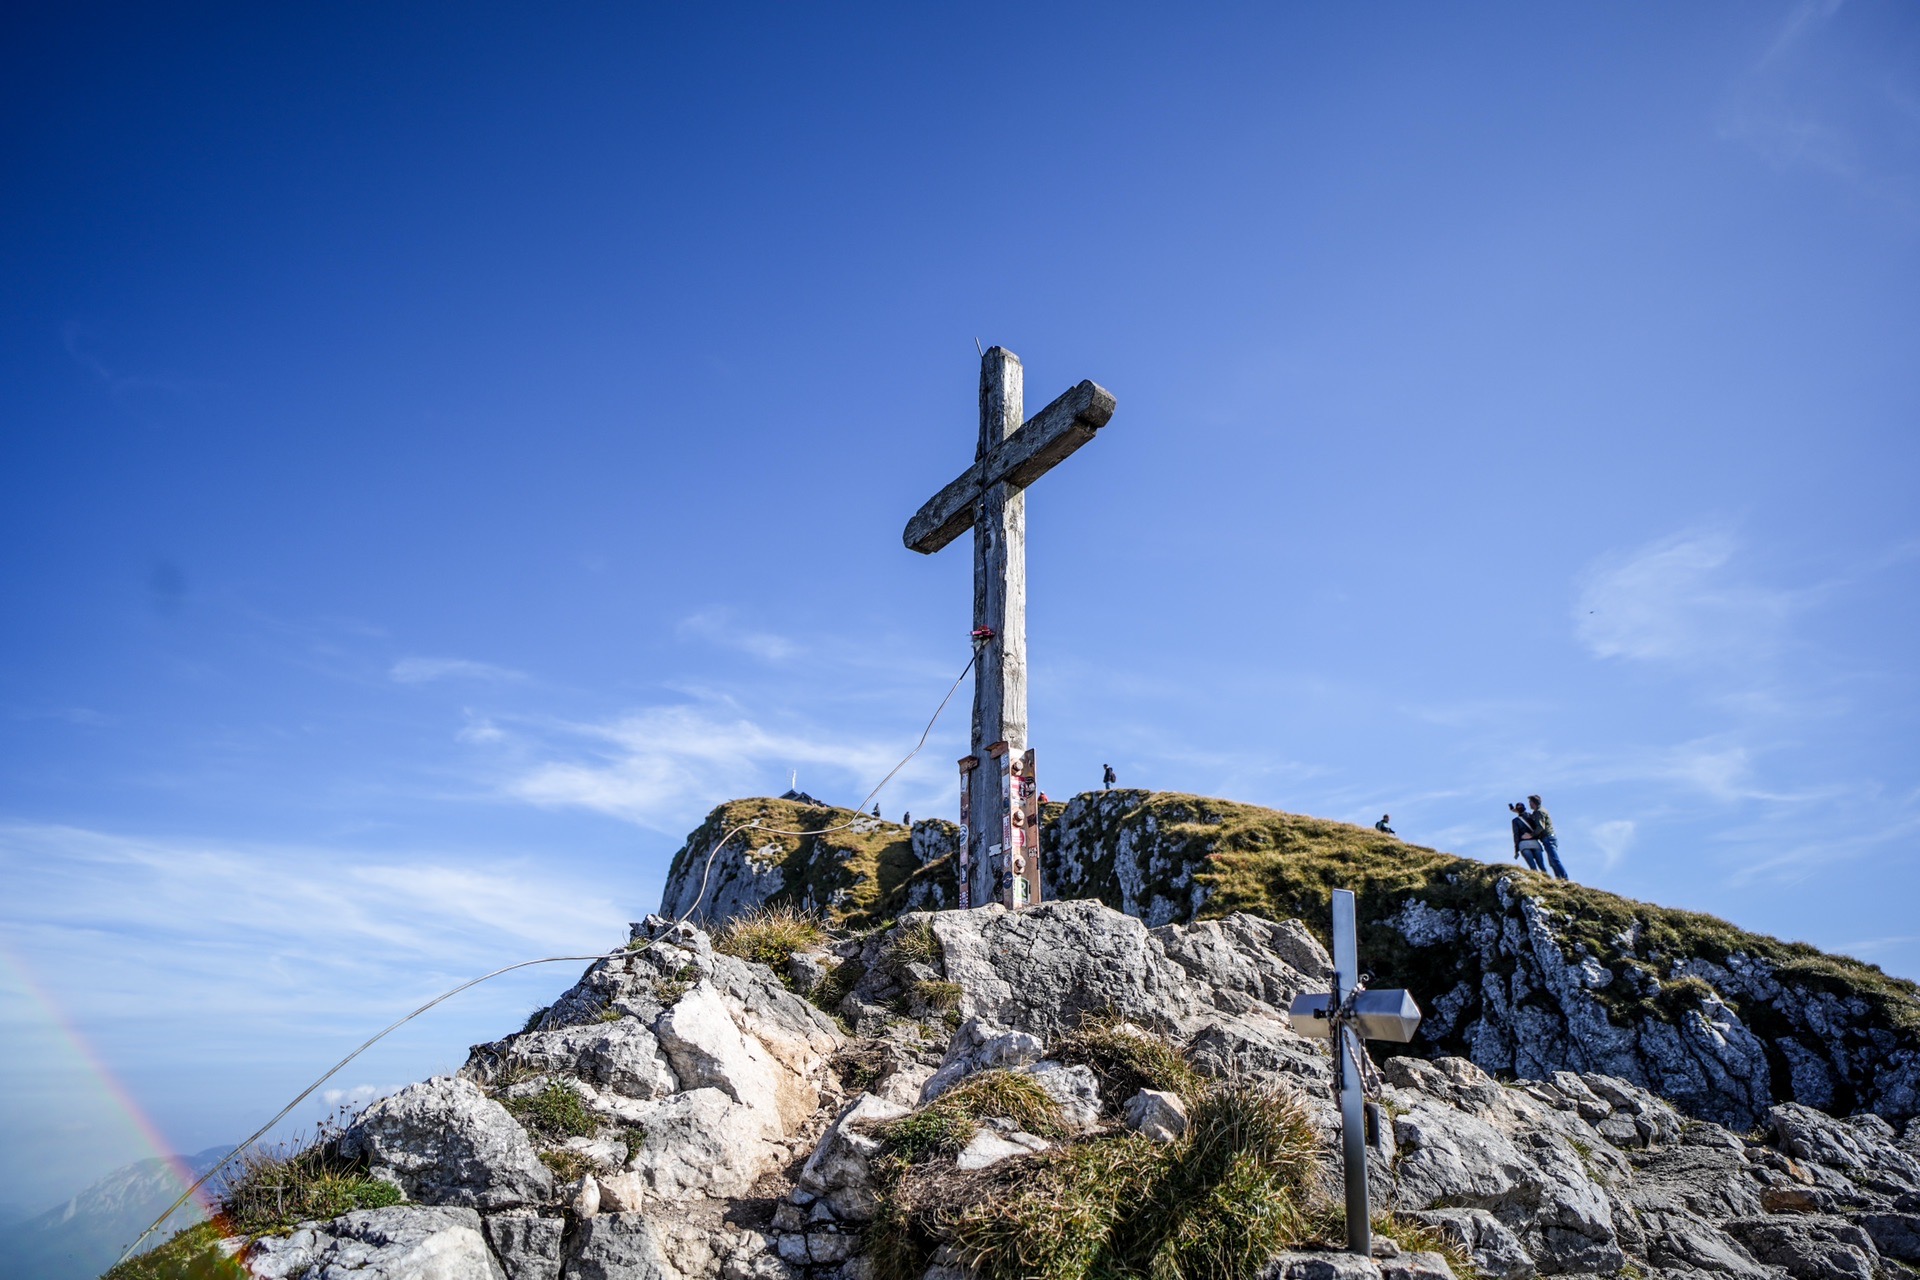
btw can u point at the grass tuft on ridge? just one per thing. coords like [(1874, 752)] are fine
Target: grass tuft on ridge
[(769, 934), (1127, 1059), (1218, 1203)]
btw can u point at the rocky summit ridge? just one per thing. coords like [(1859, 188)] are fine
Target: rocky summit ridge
[(1080, 1090), (1520, 973)]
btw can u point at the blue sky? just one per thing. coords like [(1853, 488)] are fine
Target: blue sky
[(445, 450)]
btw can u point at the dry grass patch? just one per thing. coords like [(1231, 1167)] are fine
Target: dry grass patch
[(1214, 1205), (944, 1126), (769, 934), (1127, 1059)]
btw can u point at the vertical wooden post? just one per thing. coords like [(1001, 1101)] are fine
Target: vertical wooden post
[(1000, 614), (1029, 814), (962, 872), (1000, 848)]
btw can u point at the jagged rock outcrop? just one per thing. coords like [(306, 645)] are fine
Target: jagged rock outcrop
[(445, 1142), (680, 1112), (1041, 970), (857, 868), (381, 1244), (1521, 974)]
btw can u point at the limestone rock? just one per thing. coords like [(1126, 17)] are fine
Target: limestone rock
[(980, 1046), (621, 1192), (405, 1242), (1495, 1251), (1260, 1045), (1895, 1235), (1321, 1266), (838, 1168), (708, 1049), (528, 1248), (701, 1142), (1076, 1089), (620, 1057), (988, 1148), (1156, 1114), (1045, 969), (1465, 1142), (619, 1246), (1860, 1144), (1810, 1247), (444, 1142), (1415, 1266)]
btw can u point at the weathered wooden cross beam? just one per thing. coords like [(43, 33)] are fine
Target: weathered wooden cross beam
[(990, 498), (1347, 1016)]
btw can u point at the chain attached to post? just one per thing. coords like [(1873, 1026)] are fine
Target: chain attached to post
[(1345, 1030)]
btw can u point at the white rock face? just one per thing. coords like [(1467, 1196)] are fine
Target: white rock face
[(702, 1143), (444, 1142), (838, 1168), (1156, 1114), (980, 1046), (617, 1057), (528, 1247), (1042, 970), (711, 1082), (622, 1192), (617, 1246), (1076, 1089), (708, 1050), (405, 1242), (988, 1148)]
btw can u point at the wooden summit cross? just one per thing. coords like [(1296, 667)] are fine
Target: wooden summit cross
[(1356, 1013), (999, 807)]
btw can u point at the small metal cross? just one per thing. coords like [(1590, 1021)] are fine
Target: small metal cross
[(1356, 1012)]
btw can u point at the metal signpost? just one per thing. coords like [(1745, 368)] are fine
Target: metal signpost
[(1347, 1015)]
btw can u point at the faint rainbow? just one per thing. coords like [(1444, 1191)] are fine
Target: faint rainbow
[(116, 1092)]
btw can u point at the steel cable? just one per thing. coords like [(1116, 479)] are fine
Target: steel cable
[(705, 873)]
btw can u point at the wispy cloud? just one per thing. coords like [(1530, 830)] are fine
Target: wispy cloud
[(656, 767), (211, 923), (1829, 102), (358, 1096), (1802, 21), (423, 670), (1612, 839), (73, 338), (1681, 600), (718, 626)]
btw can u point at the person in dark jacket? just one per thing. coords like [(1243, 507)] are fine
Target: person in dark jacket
[(1543, 827), (1107, 777), (1382, 824), (1526, 841)]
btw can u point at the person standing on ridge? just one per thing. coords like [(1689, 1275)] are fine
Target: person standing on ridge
[(1543, 826), (1526, 841), (1107, 777), (1382, 824), (906, 820)]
